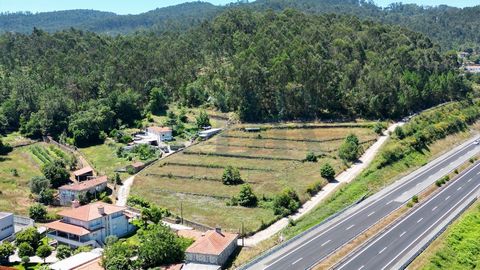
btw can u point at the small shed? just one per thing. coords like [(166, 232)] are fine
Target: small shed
[(252, 129), (206, 134), (136, 166), (83, 174)]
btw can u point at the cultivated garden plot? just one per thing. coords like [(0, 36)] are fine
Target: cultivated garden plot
[(268, 160), (16, 170)]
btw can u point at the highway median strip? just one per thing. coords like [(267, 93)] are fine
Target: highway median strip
[(386, 223)]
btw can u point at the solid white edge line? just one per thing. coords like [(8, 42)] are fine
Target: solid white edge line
[(442, 159), (416, 210), (431, 226)]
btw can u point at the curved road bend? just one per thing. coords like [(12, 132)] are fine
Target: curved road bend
[(322, 241), (388, 248)]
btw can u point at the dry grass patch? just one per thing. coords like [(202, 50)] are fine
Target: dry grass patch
[(194, 176)]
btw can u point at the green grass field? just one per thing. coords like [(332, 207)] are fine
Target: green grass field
[(104, 159), (269, 160), (457, 248)]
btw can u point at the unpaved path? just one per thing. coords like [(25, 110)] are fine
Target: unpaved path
[(345, 177), (124, 190)]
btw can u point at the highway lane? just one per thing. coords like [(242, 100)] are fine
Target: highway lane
[(314, 246), (389, 247)]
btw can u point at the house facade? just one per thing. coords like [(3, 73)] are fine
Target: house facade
[(160, 133), (70, 193), (7, 228), (90, 225), (214, 248)]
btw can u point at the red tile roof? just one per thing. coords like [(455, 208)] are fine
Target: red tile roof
[(92, 265), (83, 171), (213, 243), (138, 164), (159, 129), (68, 228), (90, 211), (86, 185), (192, 234)]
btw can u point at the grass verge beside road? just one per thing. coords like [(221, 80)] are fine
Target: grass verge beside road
[(457, 248), (375, 177)]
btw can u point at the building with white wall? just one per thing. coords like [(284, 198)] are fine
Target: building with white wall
[(7, 228), (90, 224), (70, 193)]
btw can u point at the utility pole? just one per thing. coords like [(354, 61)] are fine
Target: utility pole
[(181, 211), (243, 235)]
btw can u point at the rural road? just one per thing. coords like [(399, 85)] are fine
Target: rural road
[(394, 244), (124, 191), (307, 250)]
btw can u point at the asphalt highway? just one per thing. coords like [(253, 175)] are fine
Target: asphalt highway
[(321, 242), (390, 246)]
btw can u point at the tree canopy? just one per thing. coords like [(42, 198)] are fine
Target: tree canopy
[(265, 66)]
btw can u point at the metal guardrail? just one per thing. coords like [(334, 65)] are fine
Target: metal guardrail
[(282, 245)]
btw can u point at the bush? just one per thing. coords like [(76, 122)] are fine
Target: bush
[(5, 148), (14, 172), (6, 250), (246, 197), (46, 196), (25, 250), (314, 188), (350, 148), (415, 199), (286, 202), (327, 172), (38, 184), (43, 252), (63, 252), (37, 212), (135, 201), (378, 128), (29, 235), (56, 173), (231, 176), (398, 132), (311, 157), (202, 120)]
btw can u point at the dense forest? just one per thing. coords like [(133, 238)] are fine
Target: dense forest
[(266, 66), (452, 28), (178, 18)]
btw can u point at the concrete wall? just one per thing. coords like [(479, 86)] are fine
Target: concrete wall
[(6, 225)]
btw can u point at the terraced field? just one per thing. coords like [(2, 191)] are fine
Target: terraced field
[(269, 160)]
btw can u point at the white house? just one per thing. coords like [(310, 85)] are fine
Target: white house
[(473, 68), (90, 224), (160, 133), (69, 193), (214, 248), (7, 228)]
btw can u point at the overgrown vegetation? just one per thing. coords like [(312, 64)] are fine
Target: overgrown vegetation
[(435, 125), (458, 247)]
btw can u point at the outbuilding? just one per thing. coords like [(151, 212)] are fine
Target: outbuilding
[(214, 248)]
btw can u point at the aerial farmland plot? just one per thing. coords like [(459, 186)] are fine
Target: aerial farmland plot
[(269, 159)]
